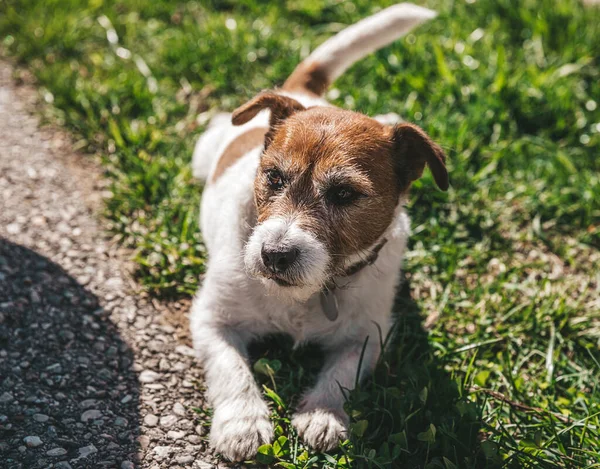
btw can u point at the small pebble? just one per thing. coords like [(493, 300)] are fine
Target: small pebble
[(185, 459), (13, 228), (55, 369), (162, 452), (32, 441), (150, 420), (173, 435), (90, 415), (144, 441), (87, 450), (88, 403), (148, 376), (63, 465), (121, 422), (168, 421), (56, 452), (178, 409), (40, 418)]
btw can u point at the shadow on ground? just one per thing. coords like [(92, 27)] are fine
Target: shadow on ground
[(415, 412), (410, 414), (68, 393)]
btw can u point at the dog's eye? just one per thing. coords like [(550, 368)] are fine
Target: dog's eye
[(342, 195), (274, 179)]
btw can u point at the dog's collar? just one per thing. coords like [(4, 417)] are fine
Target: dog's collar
[(329, 302)]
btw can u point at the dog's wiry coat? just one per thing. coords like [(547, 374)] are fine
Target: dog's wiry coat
[(281, 196)]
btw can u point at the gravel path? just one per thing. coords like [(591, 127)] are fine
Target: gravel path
[(92, 373)]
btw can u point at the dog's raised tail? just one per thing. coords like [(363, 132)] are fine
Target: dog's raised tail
[(328, 61)]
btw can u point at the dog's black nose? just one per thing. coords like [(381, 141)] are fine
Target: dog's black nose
[(278, 260)]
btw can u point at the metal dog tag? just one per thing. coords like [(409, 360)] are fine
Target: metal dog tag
[(329, 304)]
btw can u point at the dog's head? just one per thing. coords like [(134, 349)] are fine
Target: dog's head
[(327, 188)]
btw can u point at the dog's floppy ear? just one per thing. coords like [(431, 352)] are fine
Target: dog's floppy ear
[(413, 150), (281, 108)]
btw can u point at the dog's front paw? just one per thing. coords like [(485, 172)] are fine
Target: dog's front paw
[(322, 429), (239, 428)]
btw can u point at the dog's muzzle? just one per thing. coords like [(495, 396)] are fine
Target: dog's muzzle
[(285, 253)]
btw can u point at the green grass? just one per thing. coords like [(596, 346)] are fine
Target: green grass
[(508, 261)]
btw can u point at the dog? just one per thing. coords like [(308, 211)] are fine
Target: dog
[(303, 218)]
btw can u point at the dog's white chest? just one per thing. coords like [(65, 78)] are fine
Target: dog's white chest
[(302, 321)]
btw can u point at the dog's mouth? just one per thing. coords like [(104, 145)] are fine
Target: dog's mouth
[(282, 282)]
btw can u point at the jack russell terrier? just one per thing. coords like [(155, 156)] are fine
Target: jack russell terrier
[(302, 215)]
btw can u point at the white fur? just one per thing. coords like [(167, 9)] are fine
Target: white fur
[(310, 269), (368, 35), (233, 307)]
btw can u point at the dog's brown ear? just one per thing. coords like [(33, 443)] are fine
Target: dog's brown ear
[(281, 108), (414, 149)]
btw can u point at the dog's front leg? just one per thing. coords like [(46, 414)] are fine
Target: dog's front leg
[(320, 419), (240, 421)]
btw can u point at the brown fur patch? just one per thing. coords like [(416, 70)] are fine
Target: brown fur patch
[(308, 78), (241, 145), (281, 108), (321, 148), (416, 149)]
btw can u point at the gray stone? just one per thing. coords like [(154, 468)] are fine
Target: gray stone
[(148, 376), (51, 431), (174, 435), (32, 441), (88, 403), (168, 421), (54, 369), (41, 418), (91, 414), (203, 465), (56, 452), (86, 451), (178, 409), (121, 422), (150, 420), (185, 459), (127, 465), (163, 452), (6, 397), (144, 441)]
